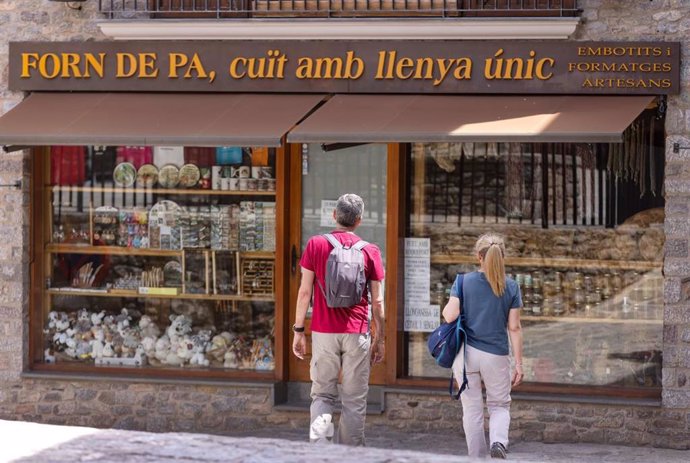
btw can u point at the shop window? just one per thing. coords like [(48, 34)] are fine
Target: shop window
[(584, 232), (156, 257)]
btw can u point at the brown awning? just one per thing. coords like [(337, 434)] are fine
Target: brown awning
[(154, 119), (429, 118)]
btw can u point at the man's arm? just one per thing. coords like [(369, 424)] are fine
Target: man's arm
[(299, 343), (515, 333), (378, 349)]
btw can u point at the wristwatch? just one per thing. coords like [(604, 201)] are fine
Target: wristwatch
[(298, 329)]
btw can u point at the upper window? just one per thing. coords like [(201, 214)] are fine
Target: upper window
[(339, 8)]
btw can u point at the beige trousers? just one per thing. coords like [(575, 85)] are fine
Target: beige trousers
[(331, 353), (494, 370)]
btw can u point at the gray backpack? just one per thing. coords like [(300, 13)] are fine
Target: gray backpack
[(345, 278)]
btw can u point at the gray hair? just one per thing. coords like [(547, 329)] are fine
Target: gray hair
[(349, 209)]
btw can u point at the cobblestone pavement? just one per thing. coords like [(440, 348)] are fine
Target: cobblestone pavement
[(29, 442)]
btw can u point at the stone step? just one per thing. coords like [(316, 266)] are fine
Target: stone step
[(294, 396)]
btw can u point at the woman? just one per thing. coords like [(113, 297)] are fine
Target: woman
[(490, 310)]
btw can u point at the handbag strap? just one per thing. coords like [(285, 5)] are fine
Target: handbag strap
[(458, 331)]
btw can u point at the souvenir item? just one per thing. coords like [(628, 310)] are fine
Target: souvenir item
[(169, 176), (137, 155), (172, 273), (205, 180), (240, 172), (262, 172), (163, 155), (259, 156), (124, 174), (105, 226), (189, 176), (164, 232), (228, 155), (147, 175), (216, 177)]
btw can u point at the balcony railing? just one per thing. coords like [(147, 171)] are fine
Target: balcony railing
[(336, 8)]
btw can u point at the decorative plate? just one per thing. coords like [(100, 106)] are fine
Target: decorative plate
[(147, 175), (189, 176), (169, 176), (124, 174)]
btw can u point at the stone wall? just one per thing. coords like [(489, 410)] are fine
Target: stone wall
[(165, 407)]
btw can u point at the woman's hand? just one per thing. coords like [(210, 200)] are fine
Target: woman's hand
[(517, 375)]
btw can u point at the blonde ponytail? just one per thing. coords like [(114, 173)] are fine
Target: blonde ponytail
[(491, 248)]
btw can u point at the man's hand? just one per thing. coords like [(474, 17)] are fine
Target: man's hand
[(378, 351), (299, 345)]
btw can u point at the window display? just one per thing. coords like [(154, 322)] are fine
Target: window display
[(587, 258), (159, 257)]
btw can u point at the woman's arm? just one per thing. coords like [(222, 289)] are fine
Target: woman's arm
[(515, 333), (451, 311)]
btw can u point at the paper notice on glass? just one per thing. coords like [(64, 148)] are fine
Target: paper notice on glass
[(327, 207), (417, 269), (422, 317)]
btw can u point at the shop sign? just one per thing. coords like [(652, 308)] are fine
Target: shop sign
[(530, 67)]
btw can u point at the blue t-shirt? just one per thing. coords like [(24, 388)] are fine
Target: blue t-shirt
[(485, 315)]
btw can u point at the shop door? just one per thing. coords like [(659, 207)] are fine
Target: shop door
[(319, 174)]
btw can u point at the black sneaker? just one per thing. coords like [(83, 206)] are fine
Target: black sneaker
[(498, 450)]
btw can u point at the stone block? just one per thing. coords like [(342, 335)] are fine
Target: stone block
[(560, 433), (676, 248), (675, 398)]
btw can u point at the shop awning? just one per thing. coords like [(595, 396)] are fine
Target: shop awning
[(440, 118), (189, 119)]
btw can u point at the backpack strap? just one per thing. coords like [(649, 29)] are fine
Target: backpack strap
[(334, 242), (462, 339), (359, 245)]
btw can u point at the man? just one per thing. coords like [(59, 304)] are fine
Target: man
[(341, 338)]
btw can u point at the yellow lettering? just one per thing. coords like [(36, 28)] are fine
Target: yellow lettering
[(234, 73), (147, 65), (29, 61), (177, 60), (541, 64), (94, 64), (491, 71), (402, 66), (126, 65), (54, 66), (305, 68), (328, 68), (463, 70)]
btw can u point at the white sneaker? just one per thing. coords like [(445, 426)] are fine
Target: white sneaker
[(321, 430)]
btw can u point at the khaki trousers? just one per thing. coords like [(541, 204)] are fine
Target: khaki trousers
[(332, 353), (494, 370)]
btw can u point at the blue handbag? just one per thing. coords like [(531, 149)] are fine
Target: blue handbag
[(445, 342)]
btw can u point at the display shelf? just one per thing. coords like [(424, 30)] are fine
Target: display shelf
[(159, 191), (120, 250), (625, 321), (135, 294), (563, 262)]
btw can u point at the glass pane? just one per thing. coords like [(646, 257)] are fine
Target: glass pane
[(161, 257), (584, 243), (328, 174)]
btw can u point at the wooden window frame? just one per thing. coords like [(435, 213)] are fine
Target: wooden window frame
[(39, 232)]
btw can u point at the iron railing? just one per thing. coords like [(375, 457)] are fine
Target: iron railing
[(336, 8)]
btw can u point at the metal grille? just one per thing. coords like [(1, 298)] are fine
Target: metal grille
[(336, 8), (543, 184)]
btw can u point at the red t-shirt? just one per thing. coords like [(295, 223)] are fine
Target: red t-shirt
[(339, 320)]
